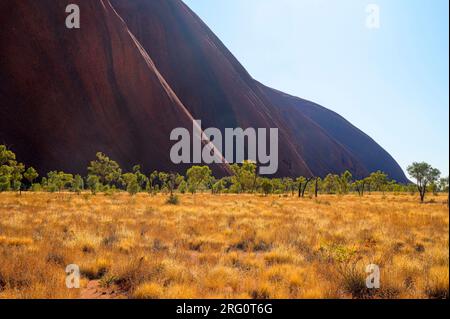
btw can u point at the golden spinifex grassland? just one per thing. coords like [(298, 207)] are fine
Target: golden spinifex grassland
[(224, 246)]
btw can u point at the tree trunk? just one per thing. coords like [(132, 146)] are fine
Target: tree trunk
[(422, 195), (422, 191), (306, 185), (254, 183), (316, 189)]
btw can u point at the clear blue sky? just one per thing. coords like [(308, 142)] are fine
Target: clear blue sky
[(390, 82)]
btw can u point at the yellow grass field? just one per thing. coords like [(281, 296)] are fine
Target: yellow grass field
[(223, 246)]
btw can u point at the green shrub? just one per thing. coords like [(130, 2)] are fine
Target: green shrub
[(173, 200), (36, 187)]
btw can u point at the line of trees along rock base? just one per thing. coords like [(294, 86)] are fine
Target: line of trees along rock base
[(105, 175)]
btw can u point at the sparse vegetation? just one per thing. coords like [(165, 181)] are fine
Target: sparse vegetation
[(173, 200), (425, 175), (105, 175)]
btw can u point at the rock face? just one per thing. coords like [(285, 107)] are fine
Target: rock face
[(66, 94), (134, 71)]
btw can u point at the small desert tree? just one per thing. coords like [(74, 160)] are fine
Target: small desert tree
[(107, 170), (173, 181), (163, 178), (142, 180), (443, 185), (392, 186), (59, 181), (266, 186), (433, 188), (4, 182), (359, 186), (277, 186), (289, 185), (30, 175), (368, 184), (78, 184), (317, 183), (218, 186), (183, 187), (10, 170), (130, 181), (244, 178), (197, 176), (302, 183), (151, 183), (379, 180), (6, 155), (425, 175), (93, 183), (16, 177), (331, 183), (345, 181)]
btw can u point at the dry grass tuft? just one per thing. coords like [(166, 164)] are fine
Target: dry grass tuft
[(148, 291)]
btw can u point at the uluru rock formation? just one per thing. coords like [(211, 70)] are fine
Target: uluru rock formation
[(134, 71)]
